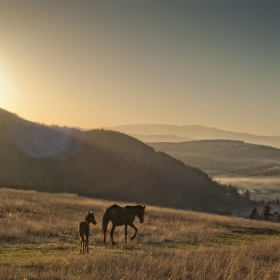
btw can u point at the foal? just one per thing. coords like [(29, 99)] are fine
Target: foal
[(84, 231)]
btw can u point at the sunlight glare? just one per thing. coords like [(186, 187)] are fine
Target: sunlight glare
[(5, 94)]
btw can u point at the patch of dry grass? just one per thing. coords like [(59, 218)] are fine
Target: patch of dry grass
[(39, 240)]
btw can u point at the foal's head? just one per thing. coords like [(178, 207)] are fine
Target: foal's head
[(90, 218), (140, 212)]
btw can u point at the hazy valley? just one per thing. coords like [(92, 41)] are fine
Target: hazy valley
[(243, 160), (247, 166)]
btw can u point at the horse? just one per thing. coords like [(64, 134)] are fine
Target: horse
[(84, 231), (120, 216)]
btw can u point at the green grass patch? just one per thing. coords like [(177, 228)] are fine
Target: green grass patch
[(256, 231), (242, 236)]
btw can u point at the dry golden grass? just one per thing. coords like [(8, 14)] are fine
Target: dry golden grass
[(39, 240)]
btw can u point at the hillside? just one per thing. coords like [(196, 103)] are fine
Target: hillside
[(104, 164), (196, 132), (42, 242), (225, 157)]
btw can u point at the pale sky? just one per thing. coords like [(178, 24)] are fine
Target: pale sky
[(104, 63)]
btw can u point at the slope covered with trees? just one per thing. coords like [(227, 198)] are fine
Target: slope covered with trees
[(104, 164), (225, 157)]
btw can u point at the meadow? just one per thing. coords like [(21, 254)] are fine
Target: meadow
[(39, 240)]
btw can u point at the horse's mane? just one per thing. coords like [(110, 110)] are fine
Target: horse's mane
[(86, 216)]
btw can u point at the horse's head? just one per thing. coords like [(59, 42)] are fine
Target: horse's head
[(90, 218), (140, 213)]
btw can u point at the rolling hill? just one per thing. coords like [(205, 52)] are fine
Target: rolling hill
[(225, 157), (104, 164), (196, 132)]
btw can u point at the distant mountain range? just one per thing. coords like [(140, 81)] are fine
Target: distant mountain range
[(225, 157), (161, 138), (193, 132), (104, 164)]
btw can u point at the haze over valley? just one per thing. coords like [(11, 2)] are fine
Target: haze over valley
[(244, 160), (247, 166)]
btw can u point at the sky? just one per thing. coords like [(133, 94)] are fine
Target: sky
[(104, 63)]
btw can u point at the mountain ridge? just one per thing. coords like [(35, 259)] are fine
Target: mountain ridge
[(197, 132)]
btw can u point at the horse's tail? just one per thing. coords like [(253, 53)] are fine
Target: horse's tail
[(105, 222)]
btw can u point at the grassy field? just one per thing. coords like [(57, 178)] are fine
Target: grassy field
[(39, 240)]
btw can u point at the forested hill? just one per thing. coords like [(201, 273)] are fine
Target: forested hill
[(225, 157), (104, 164)]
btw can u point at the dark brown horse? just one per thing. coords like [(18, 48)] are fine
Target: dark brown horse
[(120, 216), (84, 231)]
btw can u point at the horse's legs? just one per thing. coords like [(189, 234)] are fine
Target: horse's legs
[(125, 233), (104, 236), (86, 249), (111, 233), (135, 228)]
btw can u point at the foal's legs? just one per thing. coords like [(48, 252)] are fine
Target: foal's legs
[(81, 244), (111, 233), (135, 228), (84, 246)]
